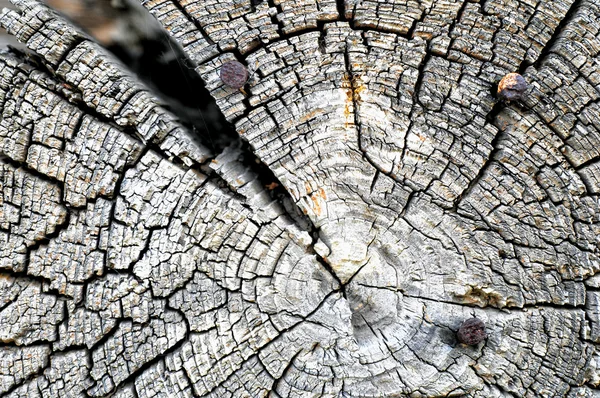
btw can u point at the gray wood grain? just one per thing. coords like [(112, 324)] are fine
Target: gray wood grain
[(394, 197), (5, 38)]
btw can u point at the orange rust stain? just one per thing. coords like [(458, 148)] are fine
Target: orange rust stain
[(358, 88), (353, 96), (346, 81), (308, 188), (310, 115), (347, 109), (322, 193), (316, 197), (271, 186)]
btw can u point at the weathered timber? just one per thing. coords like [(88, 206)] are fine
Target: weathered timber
[(393, 197)]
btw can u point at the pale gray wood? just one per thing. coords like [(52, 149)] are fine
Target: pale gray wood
[(404, 199)]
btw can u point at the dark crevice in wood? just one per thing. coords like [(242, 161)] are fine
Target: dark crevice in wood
[(188, 330), (186, 376), (277, 381), (569, 16), (592, 387), (274, 19), (65, 54), (374, 181), (40, 64), (491, 119), (38, 343), (76, 130), (214, 132), (280, 334), (331, 271), (64, 322), (341, 8), (112, 217), (269, 181), (409, 202), (275, 188), (44, 282), (588, 186), (357, 124), (424, 13), (456, 20), (415, 99), (482, 5), (30, 378), (194, 21), (100, 342), (587, 163), (419, 82), (322, 42), (167, 70), (58, 229), (16, 165), (7, 303), (147, 365), (150, 230)]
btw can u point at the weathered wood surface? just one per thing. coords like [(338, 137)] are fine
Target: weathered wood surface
[(135, 262)]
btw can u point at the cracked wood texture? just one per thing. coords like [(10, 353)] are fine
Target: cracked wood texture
[(135, 262)]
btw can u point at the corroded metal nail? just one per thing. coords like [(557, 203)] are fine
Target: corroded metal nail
[(512, 87), (234, 74), (471, 332)]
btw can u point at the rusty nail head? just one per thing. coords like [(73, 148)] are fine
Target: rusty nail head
[(512, 87), (471, 332), (234, 74)]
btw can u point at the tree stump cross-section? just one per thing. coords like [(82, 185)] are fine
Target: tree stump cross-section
[(394, 196)]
